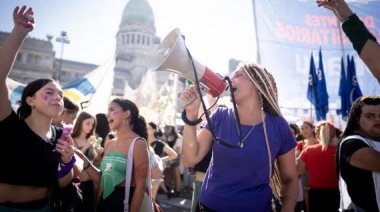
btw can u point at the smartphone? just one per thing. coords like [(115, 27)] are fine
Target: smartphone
[(67, 130)]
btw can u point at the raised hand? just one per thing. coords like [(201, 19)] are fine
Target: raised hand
[(339, 7), (192, 101), (24, 18), (329, 4)]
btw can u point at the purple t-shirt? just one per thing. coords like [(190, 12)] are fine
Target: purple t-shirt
[(237, 178)]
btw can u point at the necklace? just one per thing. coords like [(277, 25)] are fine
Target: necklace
[(248, 134)]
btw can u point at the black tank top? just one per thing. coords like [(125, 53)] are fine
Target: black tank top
[(26, 159), (203, 164)]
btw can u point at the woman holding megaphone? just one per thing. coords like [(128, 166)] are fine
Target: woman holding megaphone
[(253, 158)]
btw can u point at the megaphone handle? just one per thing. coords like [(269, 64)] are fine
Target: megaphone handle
[(183, 103)]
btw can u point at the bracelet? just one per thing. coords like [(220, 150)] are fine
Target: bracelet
[(65, 168), (357, 32), (187, 121), (88, 166)]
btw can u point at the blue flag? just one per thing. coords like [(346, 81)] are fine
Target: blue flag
[(312, 84), (353, 88), (343, 93), (322, 95)]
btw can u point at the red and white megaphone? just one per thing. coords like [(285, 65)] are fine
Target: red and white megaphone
[(172, 55)]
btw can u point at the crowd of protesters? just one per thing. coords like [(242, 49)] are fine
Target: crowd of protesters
[(250, 157)]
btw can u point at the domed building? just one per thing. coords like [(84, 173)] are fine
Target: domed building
[(136, 42)]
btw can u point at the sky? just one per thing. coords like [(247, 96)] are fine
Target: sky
[(215, 30)]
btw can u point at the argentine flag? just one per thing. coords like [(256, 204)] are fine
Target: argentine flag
[(15, 91), (82, 89), (94, 87)]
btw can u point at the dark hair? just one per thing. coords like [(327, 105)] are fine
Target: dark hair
[(171, 130), (157, 131), (70, 105), (24, 109), (338, 132), (295, 127), (352, 126), (142, 123), (310, 125), (153, 125), (297, 130), (102, 126), (137, 122), (78, 124)]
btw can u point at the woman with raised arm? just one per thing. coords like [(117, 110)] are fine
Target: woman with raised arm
[(242, 164), (33, 155)]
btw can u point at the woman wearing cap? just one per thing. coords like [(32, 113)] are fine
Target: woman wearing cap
[(239, 177)]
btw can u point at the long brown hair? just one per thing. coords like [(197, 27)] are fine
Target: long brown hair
[(78, 125)]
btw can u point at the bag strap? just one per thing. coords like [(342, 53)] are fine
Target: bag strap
[(128, 177), (149, 184)]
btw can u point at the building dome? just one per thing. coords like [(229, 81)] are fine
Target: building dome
[(138, 12)]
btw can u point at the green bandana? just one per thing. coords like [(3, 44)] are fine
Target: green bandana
[(113, 168)]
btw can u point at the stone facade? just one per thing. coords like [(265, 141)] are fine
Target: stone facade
[(36, 59), (136, 42)]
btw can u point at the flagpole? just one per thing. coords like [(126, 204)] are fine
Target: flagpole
[(311, 103), (342, 45), (258, 57), (311, 111)]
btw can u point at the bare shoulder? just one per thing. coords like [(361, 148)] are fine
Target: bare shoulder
[(141, 143)]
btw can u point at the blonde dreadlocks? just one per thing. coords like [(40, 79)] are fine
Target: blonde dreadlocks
[(267, 87)]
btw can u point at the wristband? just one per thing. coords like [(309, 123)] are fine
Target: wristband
[(187, 121), (65, 168), (357, 32)]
